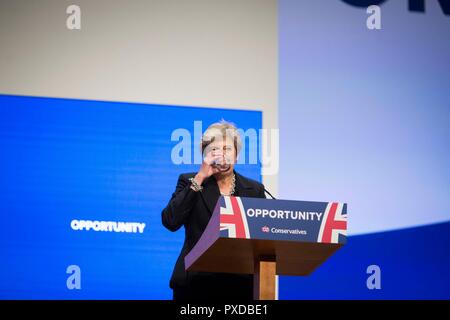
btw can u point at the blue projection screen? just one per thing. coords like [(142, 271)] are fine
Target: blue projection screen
[(69, 164)]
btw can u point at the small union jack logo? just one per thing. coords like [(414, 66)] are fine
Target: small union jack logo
[(265, 229)]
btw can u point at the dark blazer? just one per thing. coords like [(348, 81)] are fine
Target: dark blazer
[(187, 208)]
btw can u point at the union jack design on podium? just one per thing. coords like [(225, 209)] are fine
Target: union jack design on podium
[(334, 223), (233, 218)]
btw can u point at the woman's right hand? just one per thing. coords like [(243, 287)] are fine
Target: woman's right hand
[(210, 165)]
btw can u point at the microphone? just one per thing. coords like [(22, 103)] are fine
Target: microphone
[(269, 193)]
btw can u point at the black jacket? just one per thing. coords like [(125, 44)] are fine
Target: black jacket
[(187, 208)]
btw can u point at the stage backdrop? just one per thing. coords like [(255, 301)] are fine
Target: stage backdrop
[(82, 187), (364, 119)]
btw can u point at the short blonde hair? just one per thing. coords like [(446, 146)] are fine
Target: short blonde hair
[(223, 129)]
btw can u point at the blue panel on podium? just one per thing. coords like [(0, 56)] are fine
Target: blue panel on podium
[(265, 219)]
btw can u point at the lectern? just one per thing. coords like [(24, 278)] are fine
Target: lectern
[(267, 237)]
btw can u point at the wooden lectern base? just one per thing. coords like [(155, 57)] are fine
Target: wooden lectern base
[(263, 258), (264, 280)]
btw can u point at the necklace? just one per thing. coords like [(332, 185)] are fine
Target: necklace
[(233, 187)]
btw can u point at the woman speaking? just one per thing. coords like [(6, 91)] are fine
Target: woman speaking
[(191, 206)]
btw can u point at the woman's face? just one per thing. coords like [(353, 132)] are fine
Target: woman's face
[(226, 153)]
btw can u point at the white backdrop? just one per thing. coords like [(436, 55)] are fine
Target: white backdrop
[(364, 114)]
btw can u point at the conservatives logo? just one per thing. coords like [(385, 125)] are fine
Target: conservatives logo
[(266, 229), (107, 226)]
